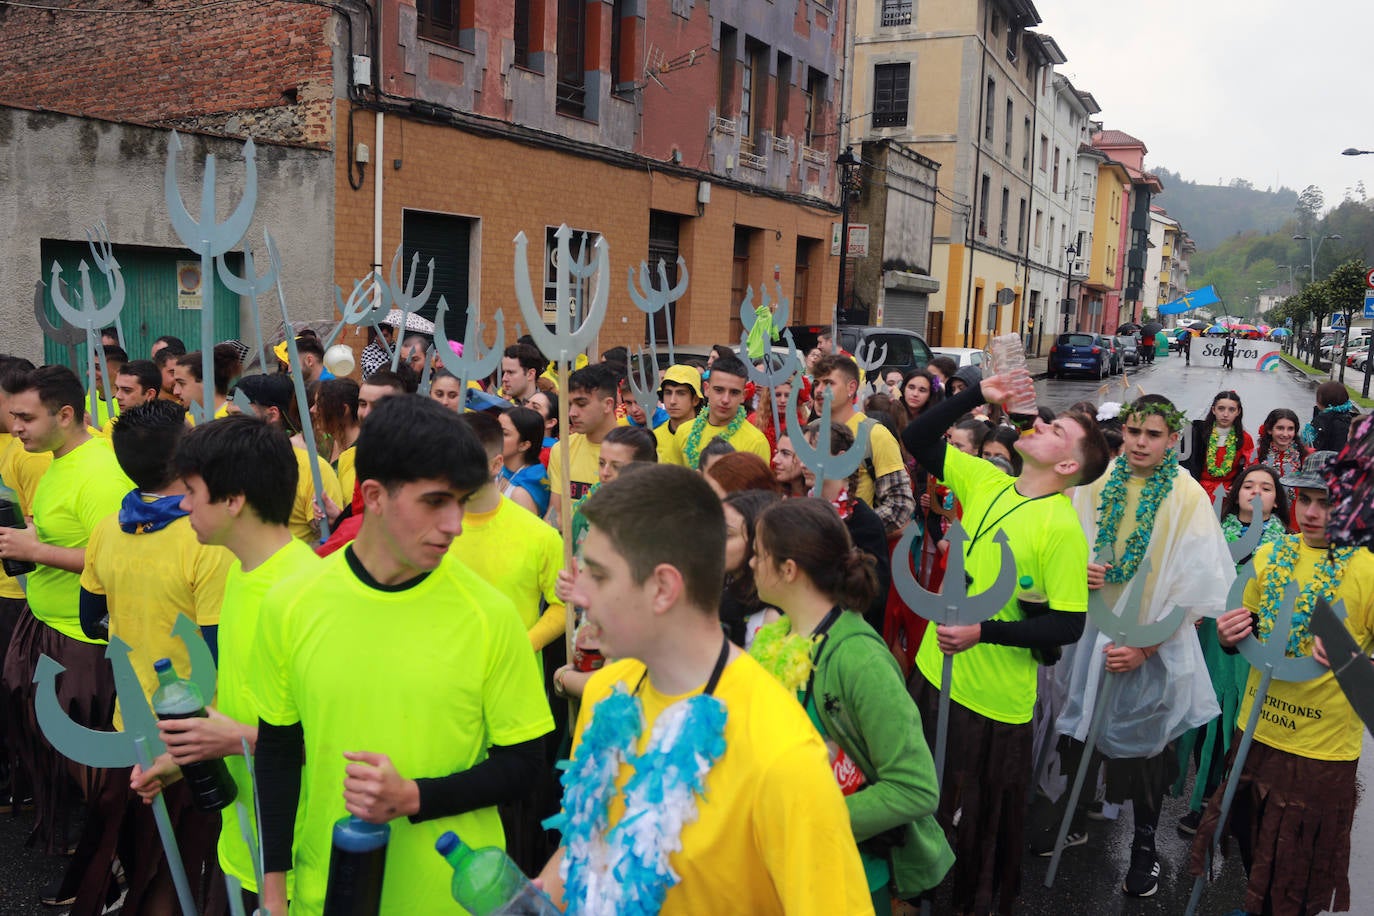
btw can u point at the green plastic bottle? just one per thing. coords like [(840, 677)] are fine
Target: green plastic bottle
[(487, 883)]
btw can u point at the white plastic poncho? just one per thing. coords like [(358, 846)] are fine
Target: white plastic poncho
[(1190, 566)]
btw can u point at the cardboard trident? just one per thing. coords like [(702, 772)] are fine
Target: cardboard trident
[(405, 297), (1121, 624), (775, 368), (67, 335), (475, 363), (102, 253), (84, 313), (367, 305), (251, 286), (210, 239), (1270, 658), (139, 742), (655, 299), (818, 458)]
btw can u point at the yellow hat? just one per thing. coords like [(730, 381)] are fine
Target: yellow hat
[(282, 352), (684, 375)]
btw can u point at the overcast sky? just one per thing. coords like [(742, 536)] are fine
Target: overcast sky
[(1222, 89)]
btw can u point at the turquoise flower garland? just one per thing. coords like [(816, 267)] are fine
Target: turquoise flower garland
[(1112, 509), (1234, 528), (1281, 571)]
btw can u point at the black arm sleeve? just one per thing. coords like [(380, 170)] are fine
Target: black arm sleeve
[(509, 772), (924, 436), (1254, 628), (1053, 628), (280, 752), (95, 615)]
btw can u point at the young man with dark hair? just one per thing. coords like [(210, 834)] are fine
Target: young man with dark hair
[(166, 362), (521, 365), (137, 382), (989, 764), (884, 483), (393, 672), (189, 387), (724, 417), (768, 832), (591, 415), (680, 393), (144, 569), (311, 352), (380, 384), (239, 479), (168, 342)]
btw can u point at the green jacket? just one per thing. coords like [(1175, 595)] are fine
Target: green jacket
[(864, 707)]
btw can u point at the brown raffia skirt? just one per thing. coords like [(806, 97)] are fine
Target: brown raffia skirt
[(987, 772), (1291, 819)]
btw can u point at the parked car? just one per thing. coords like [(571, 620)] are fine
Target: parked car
[(1108, 343), (905, 349), (1130, 349), (965, 356), (1078, 353)]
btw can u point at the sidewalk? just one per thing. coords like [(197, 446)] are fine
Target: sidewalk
[(1039, 366)]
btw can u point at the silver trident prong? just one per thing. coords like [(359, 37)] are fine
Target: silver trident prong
[(367, 305), (252, 286), (67, 335), (92, 318), (563, 343), (776, 369), (476, 362), (102, 255), (952, 606), (405, 298), (1248, 542), (643, 378), (210, 239), (654, 299), (867, 356), (427, 373), (818, 458)]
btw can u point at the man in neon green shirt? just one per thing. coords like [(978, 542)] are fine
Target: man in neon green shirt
[(392, 683)]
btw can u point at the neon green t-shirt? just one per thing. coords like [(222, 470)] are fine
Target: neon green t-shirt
[(78, 490), (238, 627), (520, 556), (430, 675), (1044, 534)]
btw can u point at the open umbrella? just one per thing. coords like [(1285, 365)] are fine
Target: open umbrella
[(1217, 329), (1151, 328), (414, 322), (1280, 332), (1129, 327)]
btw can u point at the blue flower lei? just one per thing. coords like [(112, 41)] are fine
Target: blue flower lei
[(1112, 509), (625, 870), (1280, 572)]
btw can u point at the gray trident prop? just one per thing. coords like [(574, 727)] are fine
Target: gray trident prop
[(1120, 624), (1270, 658), (643, 378), (210, 239), (252, 286), (405, 298), (65, 336), (870, 356), (474, 363), (1246, 544), (818, 457), (102, 253), (776, 368), (655, 299), (87, 315), (139, 742), (367, 305)]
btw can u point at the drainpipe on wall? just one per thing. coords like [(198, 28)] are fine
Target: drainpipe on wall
[(378, 171)]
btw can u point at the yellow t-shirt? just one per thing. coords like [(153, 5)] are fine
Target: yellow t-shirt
[(520, 556), (79, 489), (430, 675), (20, 471), (147, 580), (1313, 718), (238, 628), (302, 521), (664, 437), (1046, 539), (347, 472), (882, 449), (773, 834), (583, 457), (749, 438)]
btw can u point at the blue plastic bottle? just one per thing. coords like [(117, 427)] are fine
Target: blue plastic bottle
[(357, 865)]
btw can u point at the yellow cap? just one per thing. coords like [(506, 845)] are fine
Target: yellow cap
[(684, 375)]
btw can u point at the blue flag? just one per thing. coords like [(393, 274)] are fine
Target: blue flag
[(1194, 300)]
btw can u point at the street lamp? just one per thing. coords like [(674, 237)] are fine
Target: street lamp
[(1070, 253), (1351, 151), (1312, 252), (849, 167)]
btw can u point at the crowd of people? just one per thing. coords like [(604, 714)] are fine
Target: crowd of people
[(707, 696)]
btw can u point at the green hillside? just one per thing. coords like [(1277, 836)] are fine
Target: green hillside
[(1214, 213)]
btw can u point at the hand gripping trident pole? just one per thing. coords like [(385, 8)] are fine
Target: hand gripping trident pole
[(139, 742), (210, 239), (655, 299), (1270, 658)]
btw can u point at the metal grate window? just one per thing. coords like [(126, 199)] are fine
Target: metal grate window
[(896, 12)]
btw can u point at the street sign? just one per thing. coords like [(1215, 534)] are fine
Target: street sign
[(858, 240), (1369, 279), (1369, 303), (1337, 319)]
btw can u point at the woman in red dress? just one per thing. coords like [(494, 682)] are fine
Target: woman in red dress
[(1221, 446)]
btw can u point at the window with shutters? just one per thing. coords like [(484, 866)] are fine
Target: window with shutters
[(896, 12), (571, 96), (439, 20), (448, 240), (891, 94), (522, 34), (664, 232), (989, 109), (984, 191)]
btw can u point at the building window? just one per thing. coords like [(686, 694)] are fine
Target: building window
[(801, 277), (814, 101), (1013, 43), (784, 96), (664, 230), (896, 12), (622, 45), (725, 101), (984, 192), (739, 276), (449, 241), (1044, 152), (753, 93), (1005, 217), (1026, 152), (522, 33), (1011, 115), (989, 107), (1039, 236), (1055, 186), (572, 57), (439, 20), (1021, 227), (891, 94)]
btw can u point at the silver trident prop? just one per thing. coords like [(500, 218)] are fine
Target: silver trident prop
[(1121, 625), (643, 378), (427, 373), (1246, 544), (252, 286), (475, 363), (87, 315), (67, 335), (776, 369), (367, 305), (210, 239), (869, 356), (405, 298), (1270, 658), (298, 381), (102, 253), (818, 458), (139, 742), (655, 299)]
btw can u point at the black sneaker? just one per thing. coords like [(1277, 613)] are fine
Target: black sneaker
[(1043, 844), (54, 894), (1142, 878), (1189, 823)]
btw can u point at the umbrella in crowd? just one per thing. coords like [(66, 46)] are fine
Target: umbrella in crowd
[(414, 323)]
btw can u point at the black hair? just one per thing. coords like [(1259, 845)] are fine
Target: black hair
[(397, 381), (145, 372), (174, 344), (239, 455), (598, 379), (309, 343), (1205, 426), (275, 390), (528, 356), (1266, 436), (115, 354), (529, 426), (1006, 436), (639, 439), (977, 428), (336, 403), (145, 440), (730, 364), (616, 355), (225, 361), (166, 355), (57, 387), (407, 438), (809, 532), (945, 365), (487, 429), (750, 504), (12, 367), (714, 449), (1230, 505)]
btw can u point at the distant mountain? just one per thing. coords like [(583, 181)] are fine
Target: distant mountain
[(1213, 213)]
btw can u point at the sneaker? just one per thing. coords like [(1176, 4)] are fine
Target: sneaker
[(54, 894), (1043, 844), (1189, 823), (1142, 878)]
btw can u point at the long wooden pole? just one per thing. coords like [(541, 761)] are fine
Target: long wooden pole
[(565, 511)]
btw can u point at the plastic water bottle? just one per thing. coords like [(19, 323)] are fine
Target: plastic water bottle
[(12, 516), (1033, 603), (176, 698), (1008, 354), (487, 883), (357, 867)]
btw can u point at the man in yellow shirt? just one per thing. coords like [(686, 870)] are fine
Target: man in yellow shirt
[(591, 415), (680, 392), (883, 480), (724, 418), (760, 826)]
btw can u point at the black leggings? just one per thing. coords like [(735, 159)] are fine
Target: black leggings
[(1142, 780)]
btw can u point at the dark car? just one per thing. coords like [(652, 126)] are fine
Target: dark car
[(1130, 350), (1079, 353), (1114, 360), (905, 349)]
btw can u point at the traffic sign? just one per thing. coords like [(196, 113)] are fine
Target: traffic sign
[(1337, 319), (1369, 303), (1369, 279)]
